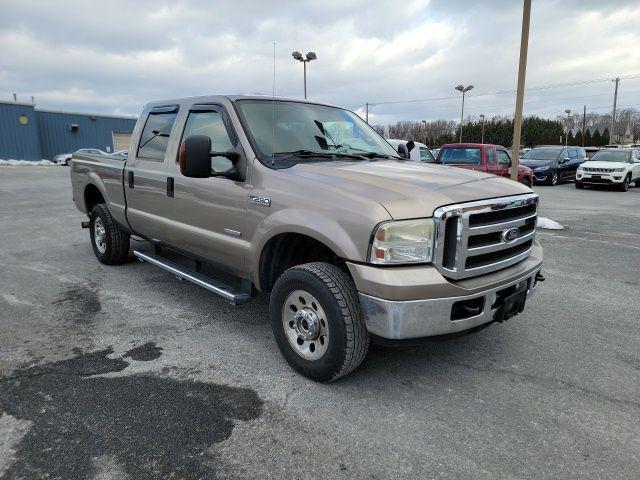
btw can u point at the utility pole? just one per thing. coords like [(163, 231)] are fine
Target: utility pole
[(522, 71), (613, 117), (566, 138), (366, 110), (584, 123)]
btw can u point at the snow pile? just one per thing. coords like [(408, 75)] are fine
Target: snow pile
[(21, 163), (549, 224)]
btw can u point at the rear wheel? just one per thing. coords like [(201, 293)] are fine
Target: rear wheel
[(109, 240), (317, 322)]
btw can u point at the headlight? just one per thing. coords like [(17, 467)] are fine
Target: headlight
[(403, 241), (579, 168), (618, 169)]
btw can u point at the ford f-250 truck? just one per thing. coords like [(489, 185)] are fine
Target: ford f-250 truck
[(307, 203)]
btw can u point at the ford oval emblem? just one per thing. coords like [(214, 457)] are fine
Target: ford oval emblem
[(510, 235)]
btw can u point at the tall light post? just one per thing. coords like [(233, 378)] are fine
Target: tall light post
[(482, 120), (307, 58), (566, 137), (463, 89), (424, 125)]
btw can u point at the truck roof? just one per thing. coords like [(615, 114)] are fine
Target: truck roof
[(471, 145), (232, 98)]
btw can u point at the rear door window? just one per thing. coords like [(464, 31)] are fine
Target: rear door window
[(491, 156), (156, 132)]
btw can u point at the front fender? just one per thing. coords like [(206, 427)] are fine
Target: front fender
[(347, 237)]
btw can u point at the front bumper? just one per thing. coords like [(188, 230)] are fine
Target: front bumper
[(600, 178), (426, 318), (541, 176)]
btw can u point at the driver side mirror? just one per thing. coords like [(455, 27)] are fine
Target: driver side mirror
[(410, 145), (403, 151), (195, 159)]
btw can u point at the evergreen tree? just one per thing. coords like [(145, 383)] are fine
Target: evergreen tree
[(570, 139), (596, 140), (578, 139), (605, 140), (588, 141)]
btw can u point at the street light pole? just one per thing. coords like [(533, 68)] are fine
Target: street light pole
[(566, 137), (463, 89), (424, 124), (482, 119), (613, 116), (522, 73), (307, 58)]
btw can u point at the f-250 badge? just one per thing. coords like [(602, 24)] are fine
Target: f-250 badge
[(263, 201)]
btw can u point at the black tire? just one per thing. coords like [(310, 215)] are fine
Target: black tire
[(348, 338), (114, 248), (624, 186), (637, 183), (579, 185), (554, 178)]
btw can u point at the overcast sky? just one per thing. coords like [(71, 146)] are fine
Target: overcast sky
[(115, 56)]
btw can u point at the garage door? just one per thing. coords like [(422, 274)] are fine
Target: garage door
[(121, 141)]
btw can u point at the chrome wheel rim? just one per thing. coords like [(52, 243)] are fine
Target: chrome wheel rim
[(100, 235), (554, 178), (305, 325)]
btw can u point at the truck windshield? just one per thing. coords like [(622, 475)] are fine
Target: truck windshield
[(285, 128)]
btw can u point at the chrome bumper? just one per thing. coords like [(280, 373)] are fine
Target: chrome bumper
[(427, 318)]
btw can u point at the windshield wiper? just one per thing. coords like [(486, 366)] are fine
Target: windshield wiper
[(302, 154)]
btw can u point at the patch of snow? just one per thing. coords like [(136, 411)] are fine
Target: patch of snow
[(549, 224), (29, 163)]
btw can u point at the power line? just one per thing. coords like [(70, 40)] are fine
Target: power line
[(504, 92)]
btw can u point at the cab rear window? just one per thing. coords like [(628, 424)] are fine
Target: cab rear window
[(461, 156)]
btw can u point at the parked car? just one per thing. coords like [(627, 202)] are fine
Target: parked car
[(91, 151), (554, 164), (419, 152), (523, 152), (62, 159), (434, 152), (616, 168), (483, 157), (308, 203)]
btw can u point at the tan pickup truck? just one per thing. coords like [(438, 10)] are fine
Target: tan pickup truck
[(307, 203)]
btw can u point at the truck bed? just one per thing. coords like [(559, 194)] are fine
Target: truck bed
[(107, 174)]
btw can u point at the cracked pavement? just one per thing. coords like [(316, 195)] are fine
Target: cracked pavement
[(124, 372)]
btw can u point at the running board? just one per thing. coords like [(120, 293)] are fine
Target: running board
[(225, 291)]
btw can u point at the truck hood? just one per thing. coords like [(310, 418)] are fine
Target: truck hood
[(407, 189)]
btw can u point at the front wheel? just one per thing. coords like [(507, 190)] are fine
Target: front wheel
[(579, 185), (624, 186), (109, 240), (317, 321), (553, 179)]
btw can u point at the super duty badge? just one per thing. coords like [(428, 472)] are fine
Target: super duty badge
[(263, 201)]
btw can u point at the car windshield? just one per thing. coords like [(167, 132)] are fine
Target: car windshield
[(611, 156), (461, 156), (285, 127), (543, 154)]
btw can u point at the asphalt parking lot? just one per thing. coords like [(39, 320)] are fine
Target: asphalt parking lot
[(124, 372)]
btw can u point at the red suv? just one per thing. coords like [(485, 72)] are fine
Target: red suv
[(483, 157)]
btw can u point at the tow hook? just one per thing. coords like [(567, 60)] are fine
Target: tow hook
[(539, 277), (85, 224)]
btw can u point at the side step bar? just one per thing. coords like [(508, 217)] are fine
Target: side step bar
[(225, 291)]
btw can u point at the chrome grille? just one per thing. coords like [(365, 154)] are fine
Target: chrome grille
[(480, 237), (598, 170)]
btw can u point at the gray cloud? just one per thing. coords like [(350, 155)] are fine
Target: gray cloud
[(115, 56)]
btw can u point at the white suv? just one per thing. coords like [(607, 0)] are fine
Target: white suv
[(613, 167)]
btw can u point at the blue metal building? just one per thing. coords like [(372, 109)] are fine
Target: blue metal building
[(28, 133)]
